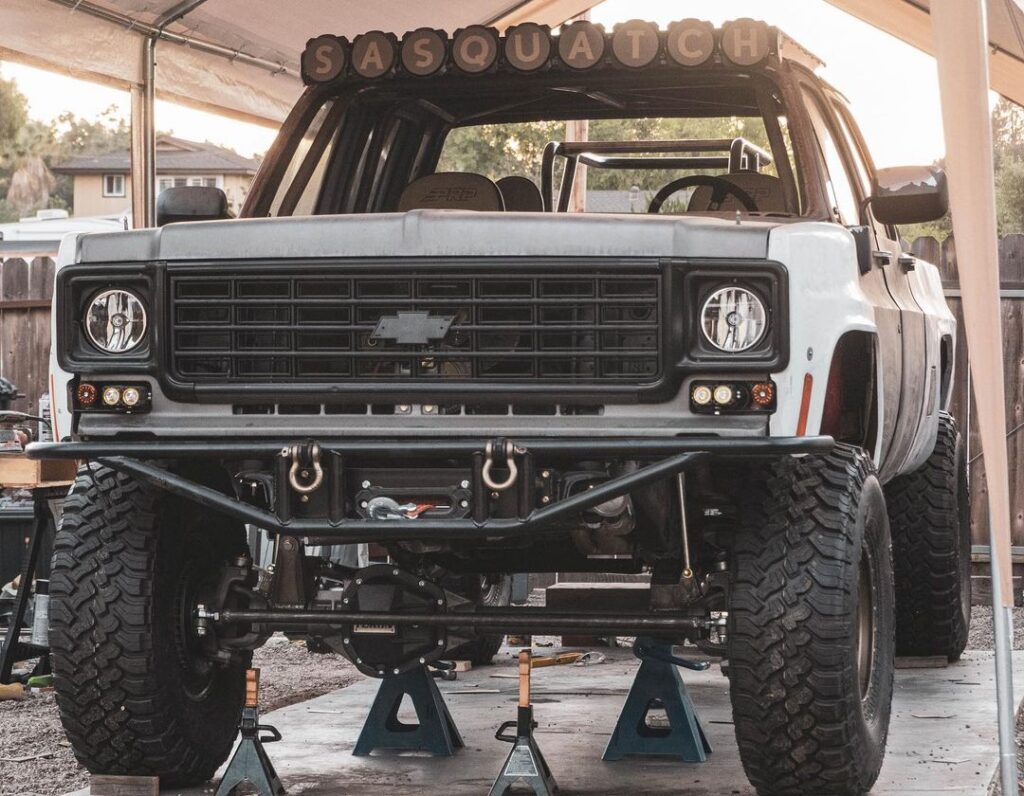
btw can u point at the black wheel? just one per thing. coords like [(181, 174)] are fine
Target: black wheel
[(135, 693), (930, 517), (810, 631), (493, 591)]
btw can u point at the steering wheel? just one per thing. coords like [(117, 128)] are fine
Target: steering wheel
[(720, 188)]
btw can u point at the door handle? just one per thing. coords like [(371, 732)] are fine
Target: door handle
[(907, 262)]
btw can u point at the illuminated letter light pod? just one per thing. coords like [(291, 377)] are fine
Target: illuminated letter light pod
[(475, 49), (324, 58), (635, 43), (423, 51), (373, 54), (745, 42), (528, 46), (581, 44), (691, 42)]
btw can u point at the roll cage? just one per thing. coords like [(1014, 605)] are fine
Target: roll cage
[(683, 154), (375, 138)]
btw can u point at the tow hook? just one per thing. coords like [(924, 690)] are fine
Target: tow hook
[(306, 475), (510, 450)]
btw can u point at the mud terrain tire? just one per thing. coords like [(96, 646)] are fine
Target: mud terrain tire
[(134, 694), (810, 629), (930, 518)]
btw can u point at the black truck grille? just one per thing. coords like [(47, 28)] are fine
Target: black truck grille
[(560, 325)]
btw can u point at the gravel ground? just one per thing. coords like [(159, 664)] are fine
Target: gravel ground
[(31, 728), (982, 637), (289, 674)]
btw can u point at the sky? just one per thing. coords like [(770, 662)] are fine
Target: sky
[(891, 86)]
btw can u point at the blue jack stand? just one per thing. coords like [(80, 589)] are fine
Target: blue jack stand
[(436, 733), (250, 762), (659, 684)]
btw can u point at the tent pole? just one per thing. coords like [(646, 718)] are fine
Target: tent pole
[(137, 132), (1002, 620), (148, 132), (961, 39)]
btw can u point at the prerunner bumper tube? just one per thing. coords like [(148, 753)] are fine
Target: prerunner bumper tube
[(667, 456)]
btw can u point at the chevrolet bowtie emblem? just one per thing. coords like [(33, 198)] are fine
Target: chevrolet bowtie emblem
[(412, 328)]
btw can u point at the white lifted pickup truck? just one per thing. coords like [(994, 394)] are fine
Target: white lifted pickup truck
[(739, 389)]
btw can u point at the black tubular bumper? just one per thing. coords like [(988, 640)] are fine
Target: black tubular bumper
[(665, 457)]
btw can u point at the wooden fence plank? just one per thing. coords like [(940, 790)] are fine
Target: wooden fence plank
[(41, 273)]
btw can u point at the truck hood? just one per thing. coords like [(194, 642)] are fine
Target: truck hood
[(425, 233)]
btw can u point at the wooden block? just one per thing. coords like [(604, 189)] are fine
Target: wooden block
[(463, 666), (19, 472), (107, 785)]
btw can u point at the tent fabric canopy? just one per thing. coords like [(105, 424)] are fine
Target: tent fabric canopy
[(909, 20), (190, 75), (265, 93)]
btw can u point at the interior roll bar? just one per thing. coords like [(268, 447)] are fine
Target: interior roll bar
[(673, 154)]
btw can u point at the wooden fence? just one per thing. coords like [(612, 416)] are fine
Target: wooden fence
[(1011, 272), (26, 286)]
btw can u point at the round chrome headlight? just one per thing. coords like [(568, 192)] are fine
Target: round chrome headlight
[(733, 319), (115, 321)]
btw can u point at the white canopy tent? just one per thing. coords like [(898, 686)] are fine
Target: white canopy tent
[(240, 57)]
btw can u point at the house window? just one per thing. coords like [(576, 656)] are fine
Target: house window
[(113, 185), (163, 183)]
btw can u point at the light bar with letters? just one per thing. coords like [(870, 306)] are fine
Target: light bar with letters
[(530, 47)]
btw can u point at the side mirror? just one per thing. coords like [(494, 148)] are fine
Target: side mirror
[(191, 203), (909, 194)]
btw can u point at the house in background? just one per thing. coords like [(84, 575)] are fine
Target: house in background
[(102, 183)]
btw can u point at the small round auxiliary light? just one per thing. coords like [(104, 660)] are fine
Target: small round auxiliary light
[(111, 396), (691, 42), (763, 393), (475, 49), (324, 58), (701, 395), (423, 51), (373, 53), (724, 394), (745, 41), (581, 44), (86, 394), (635, 43), (528, 46), (131, 396)]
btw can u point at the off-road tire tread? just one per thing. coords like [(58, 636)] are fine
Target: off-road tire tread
[(789, 666), (926, 555), (118, 716)]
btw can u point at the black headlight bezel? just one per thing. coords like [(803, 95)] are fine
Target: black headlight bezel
[(767, 280), (76, 287)]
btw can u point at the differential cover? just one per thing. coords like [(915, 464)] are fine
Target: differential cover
[(383, 649)]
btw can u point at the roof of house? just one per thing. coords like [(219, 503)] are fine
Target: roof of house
[(173, 156)]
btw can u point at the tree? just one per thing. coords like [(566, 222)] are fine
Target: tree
[(1008, 155), (498, 150)]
